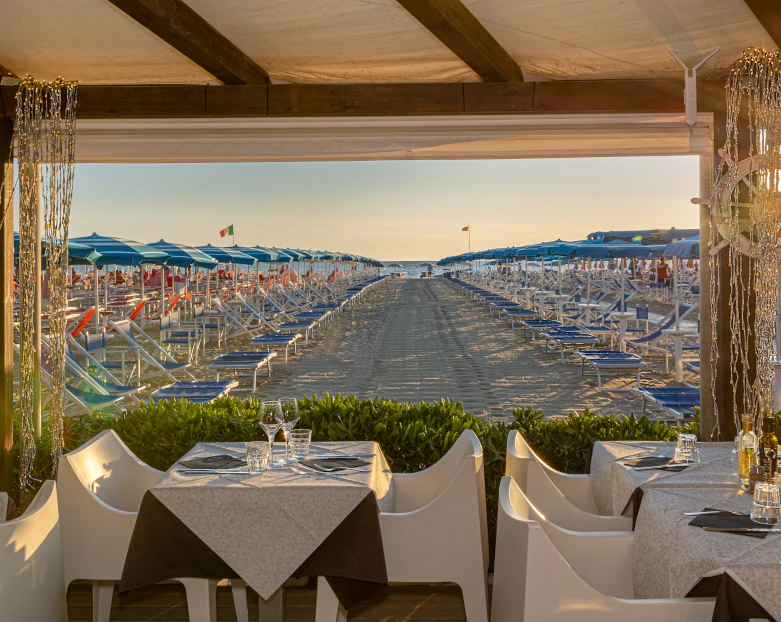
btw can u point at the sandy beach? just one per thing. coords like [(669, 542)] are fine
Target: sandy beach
[(418, 340)]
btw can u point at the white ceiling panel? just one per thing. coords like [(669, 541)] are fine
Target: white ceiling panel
[(592, 39), (334, 40), (87, 40)]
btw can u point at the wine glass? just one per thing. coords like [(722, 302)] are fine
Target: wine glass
[(270, 415), (288, 418)]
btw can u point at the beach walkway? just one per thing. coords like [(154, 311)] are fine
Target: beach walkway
[(418, 340)]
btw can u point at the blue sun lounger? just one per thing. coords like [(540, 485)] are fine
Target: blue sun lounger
[(610, 361), (284, 340), (539, 326), (565, 337), (250, 363), (678, 401), (197, 392)]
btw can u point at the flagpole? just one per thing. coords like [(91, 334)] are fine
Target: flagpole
[(469, 231)]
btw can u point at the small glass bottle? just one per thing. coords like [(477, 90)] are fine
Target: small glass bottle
[(768, 446), (747, 448)]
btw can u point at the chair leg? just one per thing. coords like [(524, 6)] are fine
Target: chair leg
[(475, 599), (239, 589), (328, 608), (102, 594), (201, 599)]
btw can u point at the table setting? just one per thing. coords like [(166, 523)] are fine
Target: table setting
[(263, 512), (699, 530)]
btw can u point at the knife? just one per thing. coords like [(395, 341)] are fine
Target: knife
[(207, 471), (744, 529), (672, 465), (704, 512)]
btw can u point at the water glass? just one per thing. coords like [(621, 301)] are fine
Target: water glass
[(687, 451), (257, 457), (299, 444), (288, 418), (270, 415), (767, 503)]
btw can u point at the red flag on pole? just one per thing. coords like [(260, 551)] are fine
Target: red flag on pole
[(465, 228)]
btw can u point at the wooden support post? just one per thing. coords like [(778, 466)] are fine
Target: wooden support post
[(7, 307), (725, 392), (38, 310), (707, 411)]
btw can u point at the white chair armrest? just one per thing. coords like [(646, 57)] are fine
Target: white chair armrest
[(603, 560)]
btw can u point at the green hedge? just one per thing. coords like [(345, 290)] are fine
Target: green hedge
[(412, 436)]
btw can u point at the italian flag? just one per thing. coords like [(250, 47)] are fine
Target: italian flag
[(227, 231)]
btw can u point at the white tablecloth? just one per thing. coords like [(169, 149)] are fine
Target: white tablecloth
[(613, 482), (669, 555), (283, 514)]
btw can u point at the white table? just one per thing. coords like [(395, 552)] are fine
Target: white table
[(587, 307), (677, 335), (670, 556), (541, 295), (559, 298), (263, 527), (623, 317)]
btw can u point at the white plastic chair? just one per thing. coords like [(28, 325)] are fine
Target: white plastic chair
[(538, 487), (100, 488), (31, 586), (576, 488), (438, 532), (544, 572)]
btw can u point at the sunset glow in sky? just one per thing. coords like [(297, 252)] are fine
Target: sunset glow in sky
[(400, 210)]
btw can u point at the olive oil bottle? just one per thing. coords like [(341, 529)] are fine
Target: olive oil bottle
[(768, 446), (747, 448)]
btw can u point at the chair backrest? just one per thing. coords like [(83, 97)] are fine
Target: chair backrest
[(642, 313), (94, 342), (106, 467), (165, 322), (174, 302), (139, 307), (125, 328), (31, 574), (540, 568), (83, 322)]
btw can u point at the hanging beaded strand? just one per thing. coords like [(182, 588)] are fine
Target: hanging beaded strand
[(45, 130), (746, 214)]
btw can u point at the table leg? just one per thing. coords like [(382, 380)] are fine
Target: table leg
[(328, 608), (621, 334), (678, 358), (273, 609), (201, 599)]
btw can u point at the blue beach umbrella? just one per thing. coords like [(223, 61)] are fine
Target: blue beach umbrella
[(122, 252), (227, 255), (684, 249), (184, 256), (78, 254)]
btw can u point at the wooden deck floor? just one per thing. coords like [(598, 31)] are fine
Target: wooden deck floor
[(167, 602)]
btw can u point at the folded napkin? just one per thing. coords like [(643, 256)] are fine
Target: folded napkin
[(335, 463), (666, 462), (222, 461), (730, 520)]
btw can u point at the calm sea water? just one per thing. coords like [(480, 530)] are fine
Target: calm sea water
[(414, 269)]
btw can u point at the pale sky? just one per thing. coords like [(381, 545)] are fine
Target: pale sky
[(402, 210)]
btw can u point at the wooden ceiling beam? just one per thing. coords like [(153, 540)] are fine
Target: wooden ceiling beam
[(183, 29), (768, 13), (455, 26), (335, 100)]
